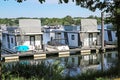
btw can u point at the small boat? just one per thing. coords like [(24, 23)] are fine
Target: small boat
[(56, 46)]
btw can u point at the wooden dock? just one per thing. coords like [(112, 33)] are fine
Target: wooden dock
[(46, 54)]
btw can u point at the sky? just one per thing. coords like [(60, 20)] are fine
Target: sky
[(50, 9)]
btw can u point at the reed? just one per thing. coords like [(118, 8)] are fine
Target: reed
[(28, 71), (47, 71)]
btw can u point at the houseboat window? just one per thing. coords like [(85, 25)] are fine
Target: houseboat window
[(109, 35), (51, 38), (98, 33), (3, 35), (58, 36), (59, 33), (11, 40), (73, 37)]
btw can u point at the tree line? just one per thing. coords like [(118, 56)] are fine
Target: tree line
[(67, 20)]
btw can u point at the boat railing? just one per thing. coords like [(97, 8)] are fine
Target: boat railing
[(49, 46)]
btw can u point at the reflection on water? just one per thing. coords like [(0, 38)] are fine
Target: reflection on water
[(76, 64)]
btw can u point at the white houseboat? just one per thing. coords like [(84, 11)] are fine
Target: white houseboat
[(53, 39), (87, 36), (27, 34)]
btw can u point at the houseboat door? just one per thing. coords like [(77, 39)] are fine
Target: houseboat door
[(8, 40), (90, 39), (32, 40)]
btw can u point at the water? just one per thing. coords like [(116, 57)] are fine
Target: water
[(76, 64)]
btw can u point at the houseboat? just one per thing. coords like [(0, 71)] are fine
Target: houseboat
[(87, 36), (2, 28), (109, 34), (56, 46), (53, 38), (25, 37)]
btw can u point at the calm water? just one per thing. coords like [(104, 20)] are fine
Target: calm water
[(75, 64)]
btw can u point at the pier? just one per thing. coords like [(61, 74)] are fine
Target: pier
[(46, 54)]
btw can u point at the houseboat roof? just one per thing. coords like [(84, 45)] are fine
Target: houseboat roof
[(106, 26), (30, 25), (18, 33), (60, 31), (26, 27), (83, 31), (89, 25)]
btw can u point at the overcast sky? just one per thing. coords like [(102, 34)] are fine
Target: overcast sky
[(51, 8)]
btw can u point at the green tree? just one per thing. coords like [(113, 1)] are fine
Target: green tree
[(68, 20), (9, 22), (91, 16), (77, 20)]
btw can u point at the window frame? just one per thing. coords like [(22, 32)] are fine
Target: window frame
[(73, 37), (12, 40)]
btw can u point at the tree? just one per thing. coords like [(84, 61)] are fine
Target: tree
[(117, 23), (91, 16), (77, 21), (68, 20)]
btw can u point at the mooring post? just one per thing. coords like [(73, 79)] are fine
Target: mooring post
[(102, 31), (102, 41)]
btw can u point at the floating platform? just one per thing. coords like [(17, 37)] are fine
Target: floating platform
[(46, 54)]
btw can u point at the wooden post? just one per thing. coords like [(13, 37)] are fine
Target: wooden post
[(102, 31), (102, 41), (79, 60), (102, 61)]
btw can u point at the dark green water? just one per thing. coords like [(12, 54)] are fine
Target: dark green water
[(75, 64)]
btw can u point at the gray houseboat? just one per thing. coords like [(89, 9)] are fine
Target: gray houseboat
[(28, 34)]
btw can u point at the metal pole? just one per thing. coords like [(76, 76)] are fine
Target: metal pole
[(102, 31)]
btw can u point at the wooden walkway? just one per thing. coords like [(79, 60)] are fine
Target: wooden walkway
[(45, 54)]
